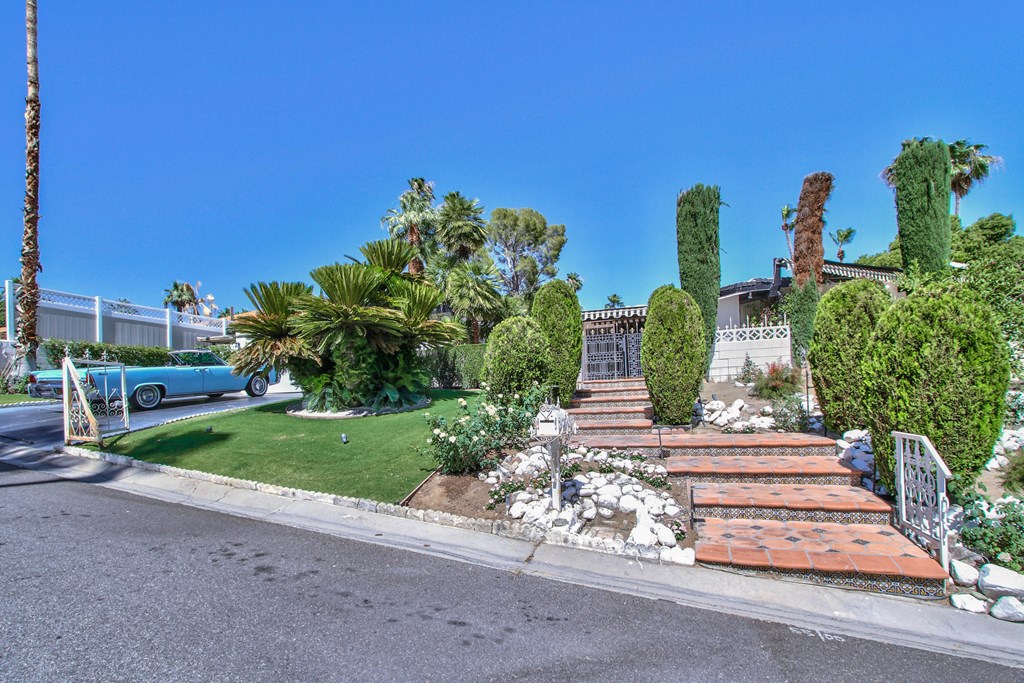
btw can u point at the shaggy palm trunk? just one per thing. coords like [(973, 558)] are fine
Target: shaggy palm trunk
[(28, 294), (809, 252), (476, 331), (416, 265)]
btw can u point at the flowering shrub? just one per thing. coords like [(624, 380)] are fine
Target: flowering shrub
[(779, 380), (474, 440)]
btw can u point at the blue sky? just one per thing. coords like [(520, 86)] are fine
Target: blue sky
[(231, 142)]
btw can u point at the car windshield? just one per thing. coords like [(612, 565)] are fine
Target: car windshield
[(196, 358)]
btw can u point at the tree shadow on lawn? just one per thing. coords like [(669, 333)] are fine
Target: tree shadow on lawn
[(167, 449), (436, 395)]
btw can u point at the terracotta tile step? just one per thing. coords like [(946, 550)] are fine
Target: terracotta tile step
[(605, 425), (610, 399), (682, 440), (867, 549), (781, 466), (789, 496), (621, 380), (612, 391)]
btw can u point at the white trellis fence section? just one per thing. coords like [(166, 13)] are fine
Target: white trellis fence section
[(764, 344), (91, 318), (921, 477)]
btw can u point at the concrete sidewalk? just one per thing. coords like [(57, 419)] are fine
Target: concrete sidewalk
[(823, 611)]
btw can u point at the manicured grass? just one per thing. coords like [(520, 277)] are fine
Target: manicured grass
[(17, 398), (263, 444)]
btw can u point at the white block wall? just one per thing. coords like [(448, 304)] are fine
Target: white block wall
[(765, 345)]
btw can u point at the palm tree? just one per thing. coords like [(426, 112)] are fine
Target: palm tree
[(271, 341), (788, 213), (614, 301), (472, 291), (841, 237), (461, 228), (181, 296), (414, 219), (970, 166), (575, 281), (28, 292)]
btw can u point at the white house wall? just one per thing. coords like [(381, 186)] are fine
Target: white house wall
[(764, 345)]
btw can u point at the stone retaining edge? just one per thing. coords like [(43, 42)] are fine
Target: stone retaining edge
[(20, 404), (511, 528)]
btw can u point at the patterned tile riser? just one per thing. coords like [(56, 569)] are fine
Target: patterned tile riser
[(711, 477), (788, 515), (758, 451), (603, 431), (618, 384), (889, 585), (611, 404), (585, 417)]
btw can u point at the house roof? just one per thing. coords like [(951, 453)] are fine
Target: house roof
[(852, 271)]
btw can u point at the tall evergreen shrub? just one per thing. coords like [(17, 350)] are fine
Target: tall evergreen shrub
[(921, 174), (516, 357), (801, 306), (672, 354), (699, 265), (847, 316), (557, 310), (937, 365)]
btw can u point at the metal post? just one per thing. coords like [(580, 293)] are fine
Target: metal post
[(99, 320), (170, 330), (555, 451), (9, 307), (224, 326)]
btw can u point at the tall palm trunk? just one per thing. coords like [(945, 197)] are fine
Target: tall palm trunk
[(28, 294), (476, 330), (956, 204), (416, 265)]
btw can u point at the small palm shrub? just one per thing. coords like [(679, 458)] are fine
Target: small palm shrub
[(778, 380), (749, 372), (557, 310), (672, 354), (476, 439), (847, 316), (517, 356), (937, 365)]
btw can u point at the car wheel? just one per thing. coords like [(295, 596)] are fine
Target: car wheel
[(215, 395), (257, 386), (147, 397)]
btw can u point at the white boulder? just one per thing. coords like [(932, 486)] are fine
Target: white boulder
[(628, 503), (854, 435), (665, 535), (677, 555), (767, 410), (861, 465), (517, 510), (963, 573), (714, 406), (968, 602), (995, 582), (1008, 608)]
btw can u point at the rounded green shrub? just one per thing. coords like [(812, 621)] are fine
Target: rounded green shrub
[(847, 316), (938, 366), (673, 354), (516, 357), (557, 310)]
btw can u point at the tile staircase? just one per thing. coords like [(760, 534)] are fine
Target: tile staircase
[(777, 504)]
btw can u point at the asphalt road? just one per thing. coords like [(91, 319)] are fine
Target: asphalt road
[(99, 585), (42, 426)]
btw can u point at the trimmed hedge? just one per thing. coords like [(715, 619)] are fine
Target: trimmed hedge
[(847, 316), (517, 356), (673, 354), (142, 356), (801, 305), (557, 310), (456, 367), (700, 270), (937, 365), (921, 174)]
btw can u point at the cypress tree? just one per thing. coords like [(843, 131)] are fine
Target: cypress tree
[(921, 174), (557, 310), (697, 243)]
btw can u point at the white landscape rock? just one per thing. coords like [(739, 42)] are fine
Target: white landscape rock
[(629, 503), (714, 406), (854, 435), (665, 535), (767, 411), (963, 573), (995, 582), (517, 510), (861, 465), (1008, 608), (677, 555), (968, 602)]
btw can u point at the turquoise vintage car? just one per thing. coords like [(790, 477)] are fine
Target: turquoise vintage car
[(188, 373)]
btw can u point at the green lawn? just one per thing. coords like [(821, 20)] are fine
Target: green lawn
[(17, 398), (263, 444)]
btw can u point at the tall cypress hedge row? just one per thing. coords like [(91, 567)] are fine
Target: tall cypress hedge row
[(847, 316), (516, 356), (672, 354), (937, 365), (921, 174), (801, 307), (697, 243), (557, 310)]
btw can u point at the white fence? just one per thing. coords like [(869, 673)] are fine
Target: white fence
[(764, 344), (92, 318)]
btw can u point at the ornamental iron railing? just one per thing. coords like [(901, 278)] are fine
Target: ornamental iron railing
[(94, 400), (921, 478)]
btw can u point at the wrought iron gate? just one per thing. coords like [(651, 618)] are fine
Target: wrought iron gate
[(921, 477), (94, 405), (612, 355)]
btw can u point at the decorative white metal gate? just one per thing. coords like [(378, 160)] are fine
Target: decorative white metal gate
[(921, 477), (94, 405), (613, 355)]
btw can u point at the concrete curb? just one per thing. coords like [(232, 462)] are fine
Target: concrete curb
[(22, 404), (817, 610)]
